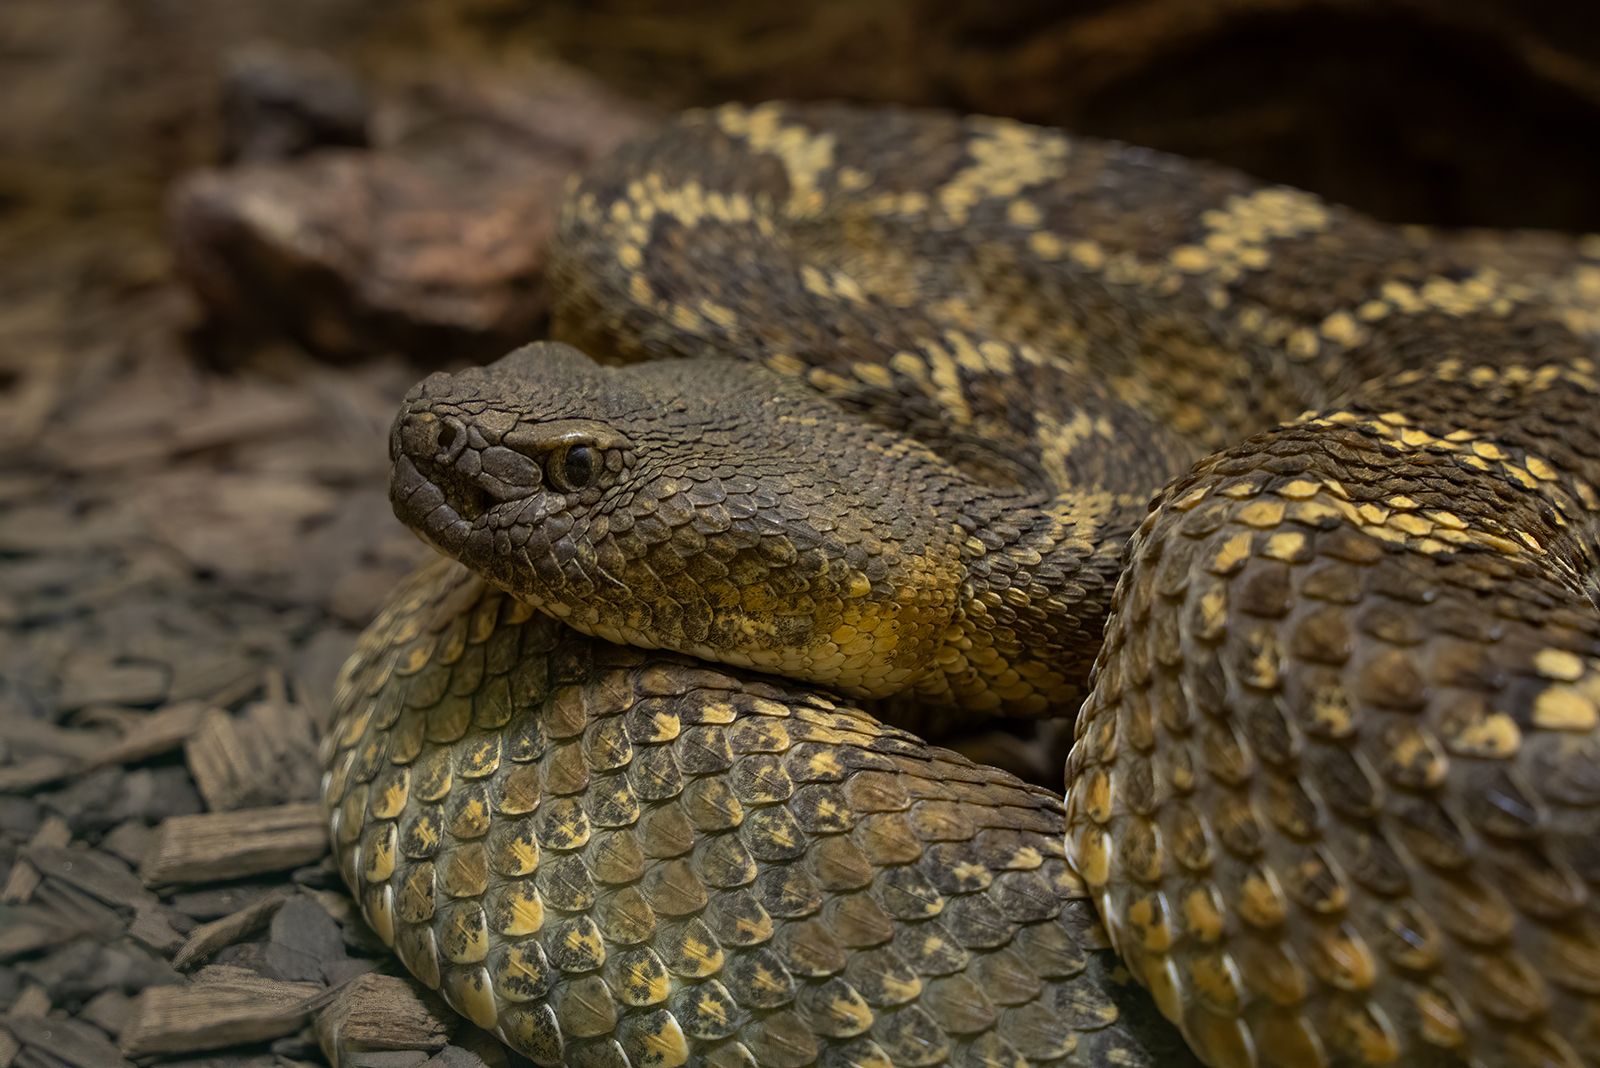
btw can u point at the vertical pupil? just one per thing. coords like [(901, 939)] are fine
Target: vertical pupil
[(579, 466)]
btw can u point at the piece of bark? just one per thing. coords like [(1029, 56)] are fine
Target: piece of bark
[(94, 678), (129, 840), (265, 755), (231, 845), (163, 730), (29, 929), (210, 937), (107, 1010), (25, 878), (35, 736), (223, 1007), (31, 774), (453, 1056), (33, 1002), (280, 103), (377, 1058), (431, 244), (95, 872), (155, 928), (78, 971), (383, 1012), (66, 1041), (109, 880), (217, 902), (78, 911), (302, 928)]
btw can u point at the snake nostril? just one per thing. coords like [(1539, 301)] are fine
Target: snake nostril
[(451, 439)]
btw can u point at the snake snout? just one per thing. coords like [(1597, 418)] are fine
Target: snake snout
[(427, 437)]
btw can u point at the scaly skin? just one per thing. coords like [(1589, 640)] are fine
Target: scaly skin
[(1334, 786)]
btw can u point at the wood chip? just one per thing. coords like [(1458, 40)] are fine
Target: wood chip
[(108, 1010), (79, 912), (232, 845), (129, 840), (33, 1001), (25, 878), (238, 411), (94, 678), (210, 937), (223, 1007), (32, 774), (29, 929), (66, 1041), (265, 755), (159, 732), (26, 733), (153, 927), (94, 872), (383, 1012)]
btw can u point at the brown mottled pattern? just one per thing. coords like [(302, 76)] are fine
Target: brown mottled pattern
[(1334, 787)]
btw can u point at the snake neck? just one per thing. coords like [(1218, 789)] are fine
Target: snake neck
[(725, 511)]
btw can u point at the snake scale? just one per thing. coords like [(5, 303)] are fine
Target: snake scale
[(896, 390)]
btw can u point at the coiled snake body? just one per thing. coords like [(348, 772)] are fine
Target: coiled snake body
[(1335, 789)]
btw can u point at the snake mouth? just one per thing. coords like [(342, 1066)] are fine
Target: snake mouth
[(447, 478)]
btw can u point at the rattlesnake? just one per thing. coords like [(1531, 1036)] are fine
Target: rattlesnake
[(1336, 775)]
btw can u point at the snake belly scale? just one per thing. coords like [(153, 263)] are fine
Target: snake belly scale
[(908, 384)]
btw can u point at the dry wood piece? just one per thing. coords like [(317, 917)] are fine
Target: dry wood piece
[(26, 733), (223, 1007), (128, 840), (266, 755), (432, 243), (107, 879), (66, 1041), (162, 730), (383, 1012), (231, 845), (92, 871), (20, 778), (93, 678), (210, 937), (30, 928), (33, 1001), (24, 878)]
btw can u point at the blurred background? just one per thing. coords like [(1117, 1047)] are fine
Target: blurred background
[(231, 236)]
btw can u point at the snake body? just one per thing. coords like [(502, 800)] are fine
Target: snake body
[(1335, 785)]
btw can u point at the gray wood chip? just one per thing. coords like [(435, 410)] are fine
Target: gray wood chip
[(209, 937), (107, 1010), (68, 1041), (265, 755), (25, 878), (231, 845), (82, 968), (31, 774), (383, 1012), (32, 1002), (34, 737), (29, 929), (92, 871), (93, 678), (129, 840), (159, 732), (302, 926), (223, 1007)]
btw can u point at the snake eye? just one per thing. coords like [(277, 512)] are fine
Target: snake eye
[(574, 468)]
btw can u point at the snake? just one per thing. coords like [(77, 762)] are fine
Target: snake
[(859, 421)]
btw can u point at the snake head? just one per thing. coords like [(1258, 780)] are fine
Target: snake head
[(712, 507), (489, 450)]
